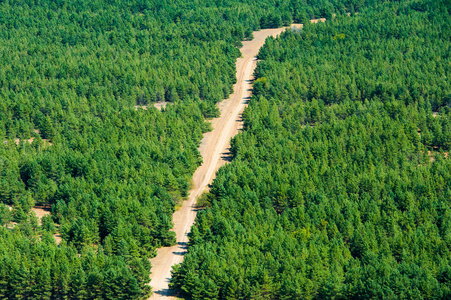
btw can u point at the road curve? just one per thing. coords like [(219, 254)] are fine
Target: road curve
[(213, 149)]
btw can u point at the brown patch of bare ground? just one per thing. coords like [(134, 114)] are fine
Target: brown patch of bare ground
[(158, 105), (431, 154), (40, 212), (314, 21), (17, 141)]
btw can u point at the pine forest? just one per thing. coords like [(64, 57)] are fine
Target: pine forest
[(339, 184)]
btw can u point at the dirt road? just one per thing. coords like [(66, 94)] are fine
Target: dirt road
[(214, 152)]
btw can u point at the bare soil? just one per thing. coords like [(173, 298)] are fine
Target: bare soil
[(17, 141), (40, 213), (158, 105), (432, 153)]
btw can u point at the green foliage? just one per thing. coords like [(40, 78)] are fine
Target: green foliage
[(29, 270), (5, 215), (340, 185), (74, 82), (204, 200)]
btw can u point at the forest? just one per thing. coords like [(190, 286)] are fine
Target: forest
[(340, 183), (79, 135)]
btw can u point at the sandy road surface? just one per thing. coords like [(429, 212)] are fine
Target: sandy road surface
[(214, 149)]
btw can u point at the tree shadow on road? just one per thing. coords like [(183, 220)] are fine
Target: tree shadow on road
[(227, 156)]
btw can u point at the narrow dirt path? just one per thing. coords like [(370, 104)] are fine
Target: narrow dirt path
[(214, 152)]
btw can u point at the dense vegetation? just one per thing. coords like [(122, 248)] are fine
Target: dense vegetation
[(340, 186), (71, 140)]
